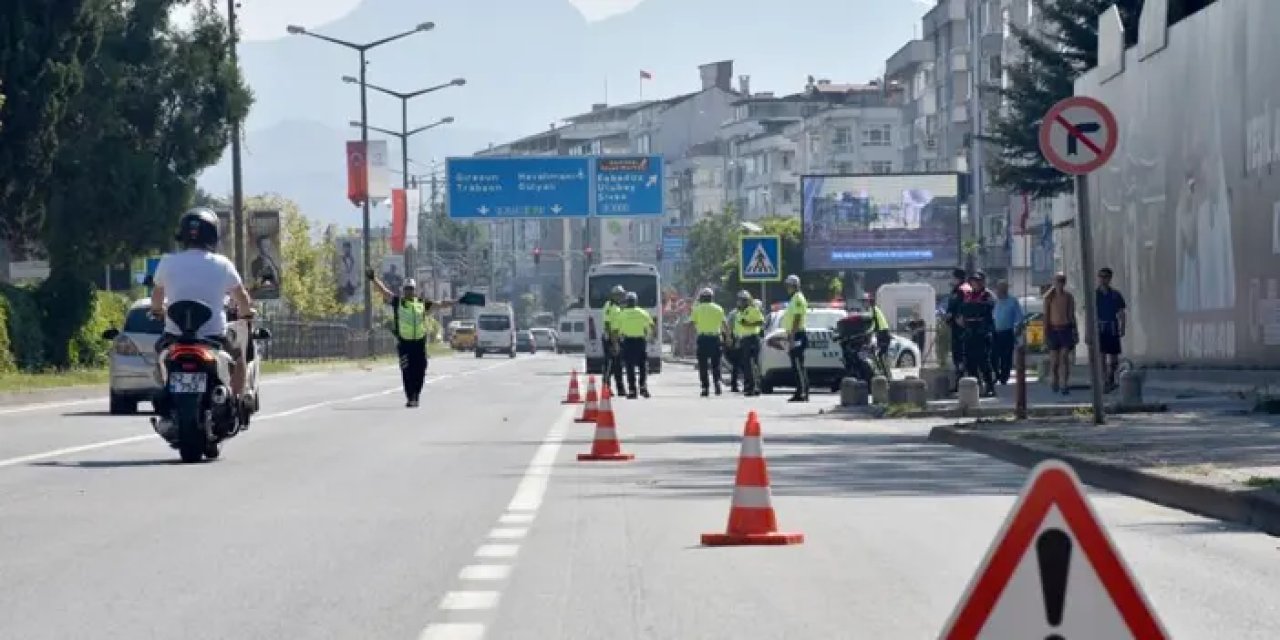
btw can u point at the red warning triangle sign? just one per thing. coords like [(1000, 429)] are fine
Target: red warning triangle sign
[(1053, 573)]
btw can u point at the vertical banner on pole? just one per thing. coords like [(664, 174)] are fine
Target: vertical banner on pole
[(413, 207), (357, 172), (265, 278), (399, 220), (379, 179)]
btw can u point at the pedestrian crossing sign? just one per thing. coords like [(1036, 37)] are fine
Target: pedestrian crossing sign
[(760, 259)]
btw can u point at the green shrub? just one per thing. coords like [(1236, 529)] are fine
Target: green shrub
[(87, 348), (23, 341), (7, 364)]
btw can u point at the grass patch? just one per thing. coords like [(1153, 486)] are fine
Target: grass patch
[(900, 410), (1058, 441), (1263, 482), (20, 382)]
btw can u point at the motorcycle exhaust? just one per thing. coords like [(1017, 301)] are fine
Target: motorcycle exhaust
[(220, 395)]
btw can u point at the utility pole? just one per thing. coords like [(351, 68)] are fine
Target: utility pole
[(431, 238), (975, 117), (237, 178)]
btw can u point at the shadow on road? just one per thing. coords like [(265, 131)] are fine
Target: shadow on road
[(102, 414), (109, 464)]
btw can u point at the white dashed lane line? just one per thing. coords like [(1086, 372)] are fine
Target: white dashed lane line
[(465, 612)]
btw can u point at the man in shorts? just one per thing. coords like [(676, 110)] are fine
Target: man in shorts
[(1061, 334), (1111, 325)]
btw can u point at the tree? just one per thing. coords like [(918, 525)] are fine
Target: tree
[(1053, 57), (309, 285), (42, 58), (154, 111), (816, 285), (712, 242)]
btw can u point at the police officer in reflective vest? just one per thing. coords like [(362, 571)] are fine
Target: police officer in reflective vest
[(708, 321), (414, 329), (612, 359), (793, 321), (748, 322), (632, 326)]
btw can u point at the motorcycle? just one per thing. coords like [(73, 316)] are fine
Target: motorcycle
[(858, 347), (201, 410)]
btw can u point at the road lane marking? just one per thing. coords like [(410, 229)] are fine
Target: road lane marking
[(453, 631), (498, 551), (469, 600), (93, 446), (522, 509), (485, 572), (508, 533)]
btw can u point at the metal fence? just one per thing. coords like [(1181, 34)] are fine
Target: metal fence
[(317, 340)]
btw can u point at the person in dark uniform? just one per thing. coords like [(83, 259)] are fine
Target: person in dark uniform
[(412, 331), (959, 288), (632, 326), (612, 358), (978, 320)]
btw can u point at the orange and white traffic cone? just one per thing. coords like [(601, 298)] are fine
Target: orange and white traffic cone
[(751, 517), (606, 447), (590, 410), (574, 397)]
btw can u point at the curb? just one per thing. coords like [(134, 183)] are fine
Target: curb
[(1256, 508), (1043, 411)]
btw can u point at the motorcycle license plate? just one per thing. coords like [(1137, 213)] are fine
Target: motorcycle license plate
[(187, 382)]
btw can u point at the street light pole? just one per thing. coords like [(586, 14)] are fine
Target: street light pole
[(363, 49), (237, 175)]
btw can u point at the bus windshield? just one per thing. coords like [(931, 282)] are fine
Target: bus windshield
[(645, 287)]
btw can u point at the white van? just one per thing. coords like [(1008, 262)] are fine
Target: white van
[(640, 278), (496, 331), (573, 331)]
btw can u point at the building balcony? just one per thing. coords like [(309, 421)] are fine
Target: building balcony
[(960, 113), (946, 12), (905, 60)]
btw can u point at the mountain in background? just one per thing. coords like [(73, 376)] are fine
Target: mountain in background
[(527, 64)]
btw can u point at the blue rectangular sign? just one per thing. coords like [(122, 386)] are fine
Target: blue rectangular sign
[(519, 187), (628, 186)]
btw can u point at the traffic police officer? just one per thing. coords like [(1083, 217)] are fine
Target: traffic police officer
[(793, 322), (708, 321), (413, 329), (632, 326), (748, 321), (612, 359), (978, 320)]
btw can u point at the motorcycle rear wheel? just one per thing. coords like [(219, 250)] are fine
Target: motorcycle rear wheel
[(191, 441)]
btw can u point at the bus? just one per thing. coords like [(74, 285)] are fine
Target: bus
[(643, 279)]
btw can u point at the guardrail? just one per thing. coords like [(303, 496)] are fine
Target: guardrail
[(313, 340)]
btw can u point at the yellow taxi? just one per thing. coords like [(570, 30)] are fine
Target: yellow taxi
[(463, 338)]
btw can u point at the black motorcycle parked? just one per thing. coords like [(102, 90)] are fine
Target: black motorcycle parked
[(198, 400), (859, 347)]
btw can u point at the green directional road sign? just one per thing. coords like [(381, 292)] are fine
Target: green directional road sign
[(760, 259)]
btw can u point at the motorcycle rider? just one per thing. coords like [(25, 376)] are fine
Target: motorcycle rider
[(198, 273)]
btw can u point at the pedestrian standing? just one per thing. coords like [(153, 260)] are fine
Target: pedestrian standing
[(633, 325), (1008, 326), (413, 330), (609, 342), (976, 318), (748, 322), (1112, 318), (798, 340), (1061, 334), (959, 289), (708, 321)]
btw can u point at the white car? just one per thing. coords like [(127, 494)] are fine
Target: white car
[(572, 336), (545, 339), (822, 360)]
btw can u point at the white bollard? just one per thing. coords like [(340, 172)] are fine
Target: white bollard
[(880, 390), (968, 394), (1131, 388)]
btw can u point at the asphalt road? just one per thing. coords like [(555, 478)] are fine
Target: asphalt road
[(344, 515)]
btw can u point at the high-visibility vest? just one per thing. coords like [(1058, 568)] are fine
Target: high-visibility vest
[(411, 320)]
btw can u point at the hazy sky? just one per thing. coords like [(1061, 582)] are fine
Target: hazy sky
[(267, 20)]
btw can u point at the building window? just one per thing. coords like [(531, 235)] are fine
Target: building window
[(879, 135), (642, 144), (881, 166), (788, 160), (843, 137), (844, 167), (996, 68)]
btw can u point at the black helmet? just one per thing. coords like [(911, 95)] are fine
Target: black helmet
[(198, 229)]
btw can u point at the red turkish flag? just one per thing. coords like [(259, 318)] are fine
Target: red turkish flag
[(399, 220), (357, 172)]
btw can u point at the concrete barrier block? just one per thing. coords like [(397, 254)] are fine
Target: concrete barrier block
[(917, 392), (880, 390), (853, 393), (898, 391), (937, 382), (1131, 388), (968, 394)]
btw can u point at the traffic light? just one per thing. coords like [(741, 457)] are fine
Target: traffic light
[(537, 255)]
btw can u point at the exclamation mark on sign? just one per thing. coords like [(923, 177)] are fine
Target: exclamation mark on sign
[(1053, 550)]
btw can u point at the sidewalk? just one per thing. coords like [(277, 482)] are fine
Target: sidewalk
[(1210, 457)]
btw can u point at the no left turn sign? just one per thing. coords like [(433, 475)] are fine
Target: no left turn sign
[(1078, 135)]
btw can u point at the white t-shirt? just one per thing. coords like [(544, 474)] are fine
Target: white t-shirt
[(201, 276)]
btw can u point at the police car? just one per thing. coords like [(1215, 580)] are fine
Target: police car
[(822, 359)]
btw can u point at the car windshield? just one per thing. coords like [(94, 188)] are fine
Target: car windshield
[(644, 286), (139, 321), (494, 323)]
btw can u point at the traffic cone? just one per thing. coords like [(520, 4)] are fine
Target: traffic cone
[(606, 447), (590, 409), (751, 517), (574, 397)]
